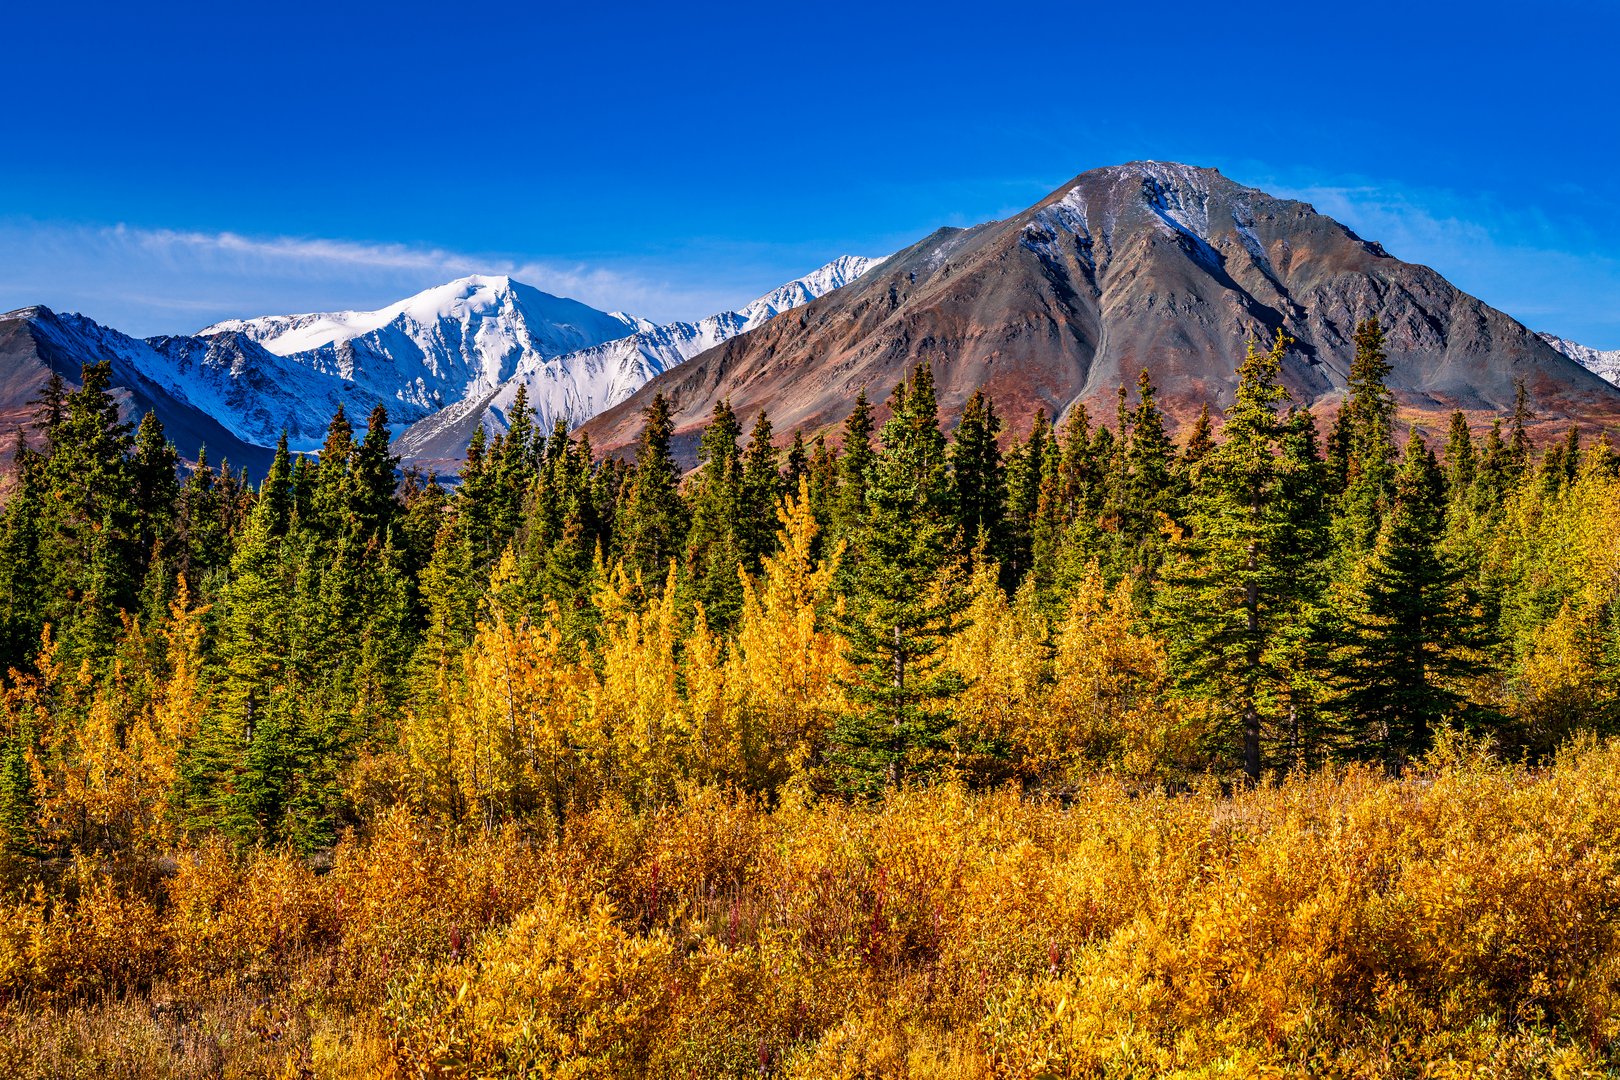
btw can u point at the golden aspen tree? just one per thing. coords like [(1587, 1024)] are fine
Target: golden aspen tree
[(784, 669), (1109, 702), (1004, 656), (635, 700)]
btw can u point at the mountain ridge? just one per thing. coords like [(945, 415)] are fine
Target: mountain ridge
[(576, 386), (1148, 265)]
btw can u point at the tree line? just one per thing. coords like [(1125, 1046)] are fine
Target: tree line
[(870, 608)]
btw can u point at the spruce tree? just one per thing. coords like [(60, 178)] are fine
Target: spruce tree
[(157, 487), (652, 523), (1370, 463), (1418, 633), (1519, 440), (979, 478), (329, 495), (276, 491), (1147, 498), (854, 463), (88, 542), (713, 546), (761, 488), (900, 612), (1462, 462), (1025, 468), (374, 477), (1233, 592), (795, 465), (823, 478)]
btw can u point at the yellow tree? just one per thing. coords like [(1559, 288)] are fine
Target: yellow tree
[(784, 668), (637, 718), (1004, 657), (1109, 702)]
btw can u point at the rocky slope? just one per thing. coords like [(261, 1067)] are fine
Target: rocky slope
[(34, 342), (1147, 265), (1604, 363)]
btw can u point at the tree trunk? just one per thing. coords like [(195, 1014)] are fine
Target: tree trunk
[(896, 749)]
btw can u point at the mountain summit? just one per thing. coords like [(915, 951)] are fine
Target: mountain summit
[(1149, 265), (462, 338), (576, 386)]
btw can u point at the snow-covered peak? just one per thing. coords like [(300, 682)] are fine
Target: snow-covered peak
[(1604, 363), (819, 282), (477, 296), (455, 340), (578, 385)]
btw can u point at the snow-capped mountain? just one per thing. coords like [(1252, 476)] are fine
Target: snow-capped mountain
[(577, 385), (1601, 362), (438, 347), (253, 394)]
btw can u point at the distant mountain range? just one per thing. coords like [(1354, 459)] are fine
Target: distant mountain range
[(1148, 265), (445, 360), (577, 385)]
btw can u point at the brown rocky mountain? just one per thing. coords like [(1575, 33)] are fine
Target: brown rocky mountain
[(36, 342), (1149, 265)]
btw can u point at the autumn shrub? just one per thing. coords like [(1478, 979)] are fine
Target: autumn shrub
[(1462, 919)]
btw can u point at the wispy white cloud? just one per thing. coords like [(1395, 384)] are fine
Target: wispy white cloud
[(166, 280)]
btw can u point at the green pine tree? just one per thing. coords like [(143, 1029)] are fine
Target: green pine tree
[(1418, 635), (652, 524), (979, 478), (901, 610), (1233, 593)]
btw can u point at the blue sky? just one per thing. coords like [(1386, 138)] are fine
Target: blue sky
[(163, 167)]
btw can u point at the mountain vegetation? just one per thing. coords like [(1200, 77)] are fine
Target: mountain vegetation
[(906, 749)]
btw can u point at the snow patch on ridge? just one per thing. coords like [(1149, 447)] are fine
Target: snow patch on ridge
[(1604, 363)]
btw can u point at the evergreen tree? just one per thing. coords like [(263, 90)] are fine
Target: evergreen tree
[(761, 488), (1025, 467), (653, 522), (373, 480), (22, 585), (1418, 634), (1147, 497), (476, 498), (823, 478), (87, 537), (901, 611), (1233, 591), (796, 465), (1370, 461), (276, 491), (157, 487), (1519, 440), (853, 466), (713, 546), (19, 808), (237, 773), (329, 490), (1462, 463), (979, 477)]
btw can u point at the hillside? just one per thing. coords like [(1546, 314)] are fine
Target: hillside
[(1147, 265)]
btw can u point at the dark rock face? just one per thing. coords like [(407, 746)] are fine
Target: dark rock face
[(34, 342), (1162, 267)]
